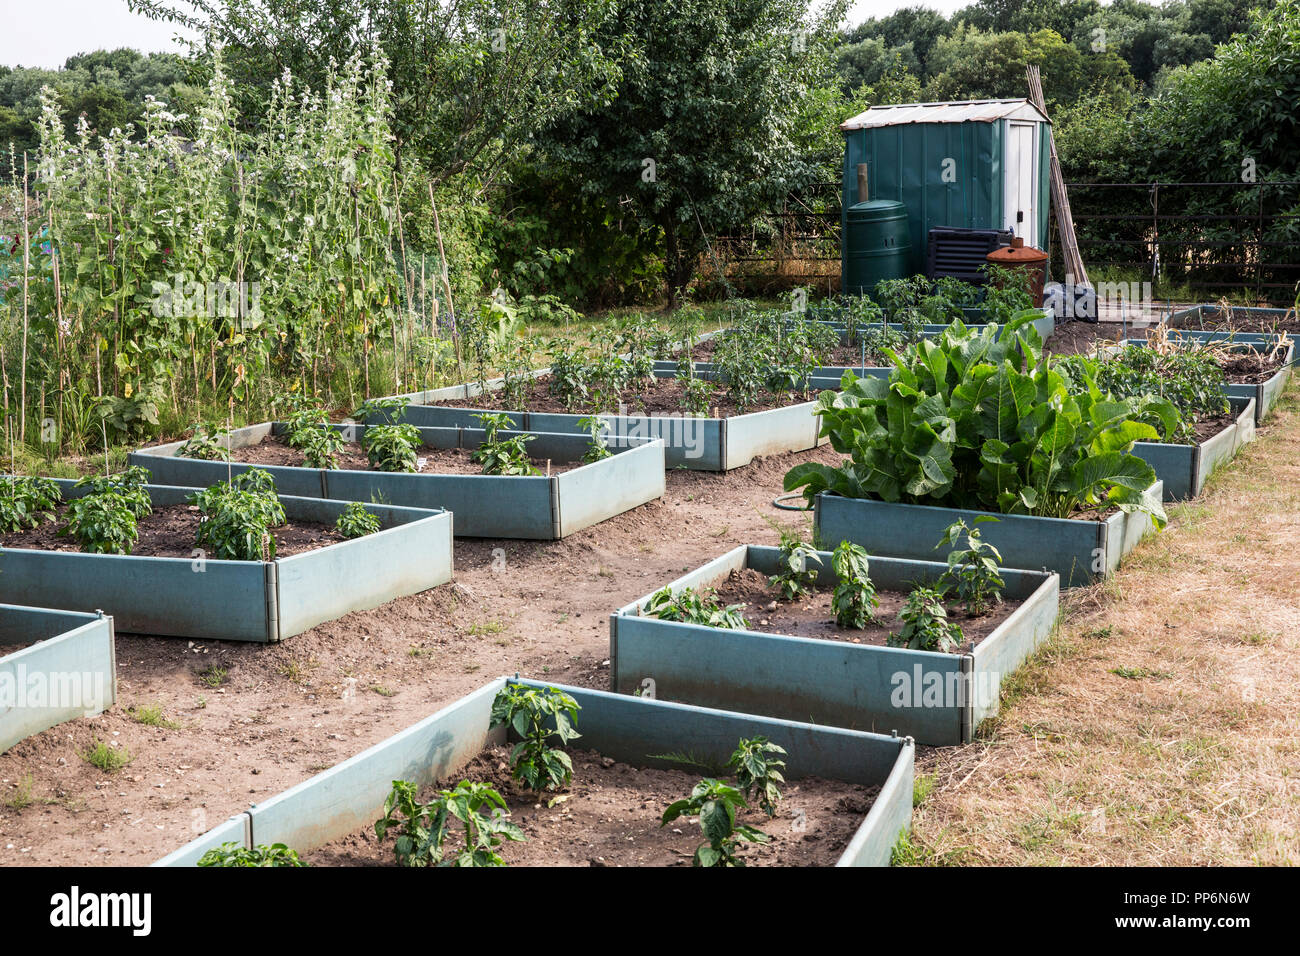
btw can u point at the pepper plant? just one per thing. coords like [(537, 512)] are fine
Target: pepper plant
[(795, 579), (129, 484), (102, 523), (502, 456), (854, 601), (392, 447), (716, 804), (356, 521), (690, 606), (972, 573), (757, 765), (233, 854), (423, 828), (204, 443), (27, 502), (925, 623), (537, 716), (595, 427)]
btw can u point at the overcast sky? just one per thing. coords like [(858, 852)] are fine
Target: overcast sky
[(47, 32)]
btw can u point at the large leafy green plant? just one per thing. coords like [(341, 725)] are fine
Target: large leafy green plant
[(977, 419)]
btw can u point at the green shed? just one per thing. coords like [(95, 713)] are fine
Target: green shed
[(981, 164)]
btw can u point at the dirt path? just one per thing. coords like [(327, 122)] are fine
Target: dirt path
[(284, 712), (1162, 727)]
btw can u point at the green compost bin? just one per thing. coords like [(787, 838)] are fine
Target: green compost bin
[(877, 245)]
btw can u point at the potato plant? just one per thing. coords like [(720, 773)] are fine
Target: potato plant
[(972, 575), (27, 502), (925, 623), (757, 764), (716, 804), (423, 828), (356, 521), (537, 716), (690, 606), (392, 447), (232, 854), (854, 601)]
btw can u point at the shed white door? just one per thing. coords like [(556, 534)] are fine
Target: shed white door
[(1021, 186)]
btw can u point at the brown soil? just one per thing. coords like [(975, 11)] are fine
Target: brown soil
[(813, 617), (1250, 368), (650, 397), (169, 533), (611, 813), (1207, 428), (287, 711), (272, 450)]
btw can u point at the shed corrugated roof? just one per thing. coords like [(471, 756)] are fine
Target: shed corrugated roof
[(968, 111)]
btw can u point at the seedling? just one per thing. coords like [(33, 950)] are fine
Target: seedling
[(232, 854), (424, 828), (854, 601), (101, 523), (392, 447), (27, 502), (716, 804), (106, 758), (757, 765), (972, 571), (693, 607), (795, 579), (356, 521), (204, 443), (530, 713), (925, 624), (502, 456), (596, 428)]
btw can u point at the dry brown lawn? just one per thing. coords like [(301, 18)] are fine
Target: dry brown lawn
[(1161, 726)]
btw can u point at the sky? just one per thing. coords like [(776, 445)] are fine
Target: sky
[(46, 32)]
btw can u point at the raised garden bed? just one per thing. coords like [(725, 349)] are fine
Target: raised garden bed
[(574, 496), (194, 597), (822, 674), (628, 732), (1080, 550), (718, 443), (1184, 469), (1255, 375), (54, 666)]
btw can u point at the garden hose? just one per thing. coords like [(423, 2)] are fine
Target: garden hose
[(776, 502)]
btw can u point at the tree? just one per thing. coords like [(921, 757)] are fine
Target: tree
[(473, 80), (711, 120)]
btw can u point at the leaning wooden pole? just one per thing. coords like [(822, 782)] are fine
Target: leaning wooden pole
[(1074, 266)]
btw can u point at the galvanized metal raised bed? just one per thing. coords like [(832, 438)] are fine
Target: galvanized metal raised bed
[(241, 600), (697, 444), (69, 671), (1185, 469), (350, 796), (486, 506), (934, 697), (1080, 550)]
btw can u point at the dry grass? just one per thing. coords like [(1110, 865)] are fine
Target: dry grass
[(1161, 727)]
